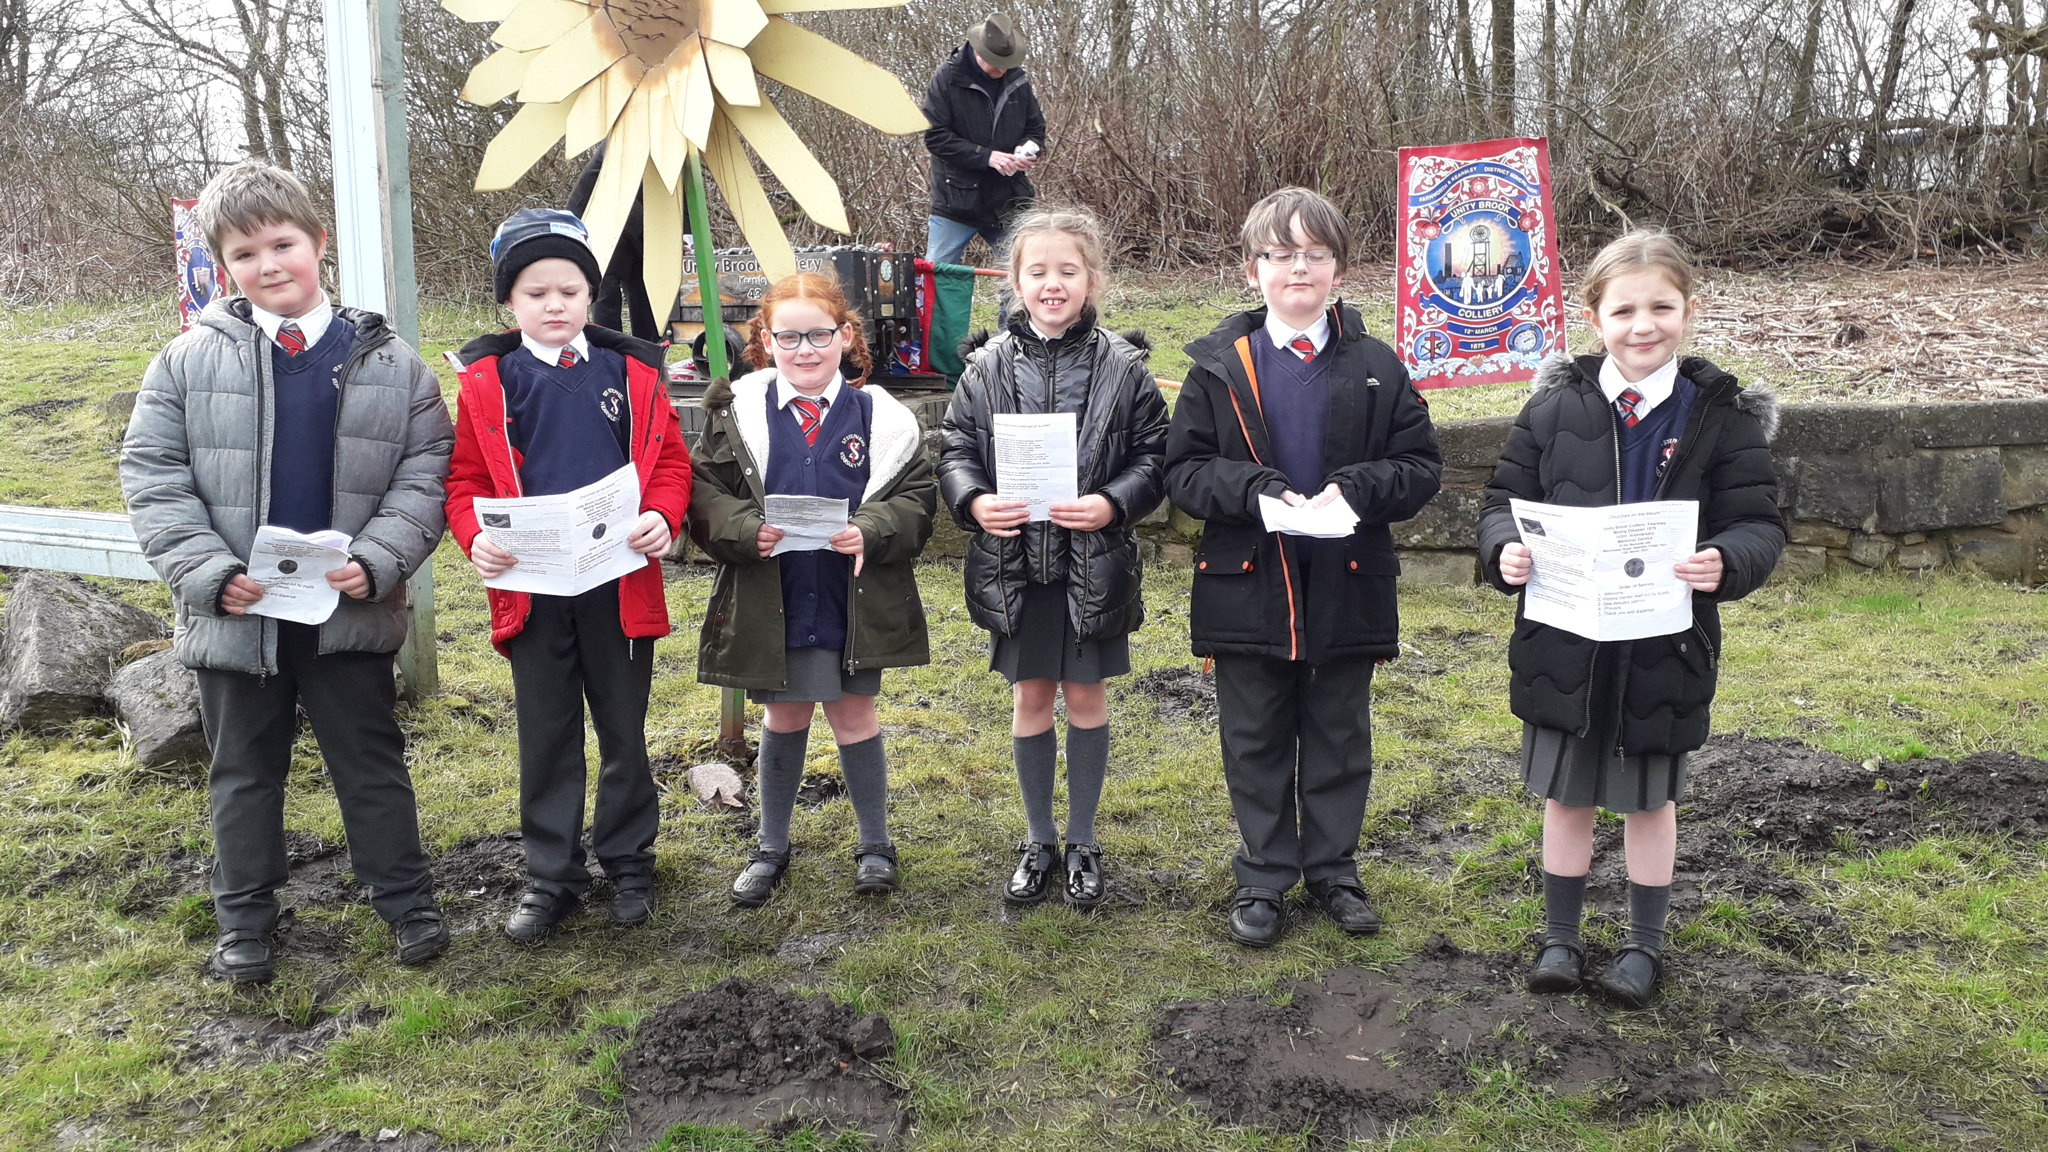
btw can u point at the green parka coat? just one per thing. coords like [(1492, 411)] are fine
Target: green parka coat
[(742, 644)]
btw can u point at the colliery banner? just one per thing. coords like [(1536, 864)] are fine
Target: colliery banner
[(1476, 273)]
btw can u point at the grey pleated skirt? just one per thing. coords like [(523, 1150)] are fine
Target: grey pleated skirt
[(815, 676), (1587, 773), (1044, 647)]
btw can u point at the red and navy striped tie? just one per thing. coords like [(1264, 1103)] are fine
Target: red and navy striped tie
[(1627, 403), (568, 357), (809, 415), (290, 338), (1303, 347)]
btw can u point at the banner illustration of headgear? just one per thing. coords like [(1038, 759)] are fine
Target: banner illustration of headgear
[(662, 80)]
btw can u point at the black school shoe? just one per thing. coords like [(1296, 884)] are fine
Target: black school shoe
[(1028, 884), (1560, 967), (1344, 899), (633, 902), (419, 936), (1084, 876), (539, 913), (874, 869), (756, 882), (1255, 917), (1632, 985), (243, 957)]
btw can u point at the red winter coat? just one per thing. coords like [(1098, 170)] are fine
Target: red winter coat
[(485, 464)]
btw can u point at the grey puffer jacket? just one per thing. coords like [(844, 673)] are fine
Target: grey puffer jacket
[(1122, 447), (195, 473)]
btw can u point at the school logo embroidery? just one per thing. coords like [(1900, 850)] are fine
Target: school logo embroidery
[(1664, 459), (612, 402), (853, 450)]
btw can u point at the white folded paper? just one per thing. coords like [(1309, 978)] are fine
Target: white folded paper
[(1332, 521), (293, 567), (1035, 460), (1607, 573), (569, 543), (808, 523)]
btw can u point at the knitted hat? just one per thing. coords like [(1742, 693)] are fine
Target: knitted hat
[(532, 234)]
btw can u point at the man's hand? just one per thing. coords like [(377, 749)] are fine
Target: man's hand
[(239, 594), (1007, 163)]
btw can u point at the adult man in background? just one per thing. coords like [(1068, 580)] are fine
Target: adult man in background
[(985, 135)]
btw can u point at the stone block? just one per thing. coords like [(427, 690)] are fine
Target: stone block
[(1996, 553), (1838, 429), (57, 655), (1980, 423), (948, 542), (1872, 551), (1835, 489), (1449, 520), (2025, 476), (1923, 557), (1940, 488), (1184, 527), (1177, 554), (1473, 443), (1439, 568), (158, 699), (1158, 517), (1819, 533), (1800, 562)]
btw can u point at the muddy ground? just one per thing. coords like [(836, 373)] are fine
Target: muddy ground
[(1349, 1051), (746, 1054)]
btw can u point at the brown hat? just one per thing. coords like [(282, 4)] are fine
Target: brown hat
[(997, 41)]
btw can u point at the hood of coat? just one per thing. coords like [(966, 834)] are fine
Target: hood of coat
[(231, 316), (1561, 371), (507, 342), (979, 338), (896, 435)]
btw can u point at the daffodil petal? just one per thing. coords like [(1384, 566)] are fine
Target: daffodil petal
[(784, 7), (779, 147), (535, 23), (733, 71), (814, 65), (744, 198), (519, 144), (734, 22), (625, 158), (662, 234), (498, 76), (693, 115), (577, 56), (587, 123), (666, 147), (479, 11)]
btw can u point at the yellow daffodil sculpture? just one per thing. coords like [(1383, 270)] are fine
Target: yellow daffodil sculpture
[(660, 80)]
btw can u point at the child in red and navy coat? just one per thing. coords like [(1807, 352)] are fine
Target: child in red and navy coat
[(546, 408)]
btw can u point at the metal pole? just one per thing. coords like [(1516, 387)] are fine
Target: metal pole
[(732, 703), (372, 238)]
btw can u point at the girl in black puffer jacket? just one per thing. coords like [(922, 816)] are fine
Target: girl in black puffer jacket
[(1060, 593), (1609, 725)]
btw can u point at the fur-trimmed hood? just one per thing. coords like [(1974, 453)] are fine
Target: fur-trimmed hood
[(896, 436), (1759, 401)]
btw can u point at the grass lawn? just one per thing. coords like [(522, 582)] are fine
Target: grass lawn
[(1034, 1029)]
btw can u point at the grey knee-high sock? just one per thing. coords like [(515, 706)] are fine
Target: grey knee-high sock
[(1564, 906), (1037, 756), (780, 769), (1648, 909), (1087, 764), (866, 768)]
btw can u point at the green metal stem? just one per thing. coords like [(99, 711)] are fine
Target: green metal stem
[(732, 703)]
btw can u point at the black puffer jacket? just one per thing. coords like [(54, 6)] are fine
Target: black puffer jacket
[(966, 125), (1122, 440), (1564, 449), (1252, 596)]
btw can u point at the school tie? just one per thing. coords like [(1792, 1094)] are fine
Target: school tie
[(290, 338), (809, 415), (1626, 404), (567, 358), (1303, 347)]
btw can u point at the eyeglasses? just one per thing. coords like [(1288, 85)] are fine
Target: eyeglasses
[(790, 339), (1288, 255)]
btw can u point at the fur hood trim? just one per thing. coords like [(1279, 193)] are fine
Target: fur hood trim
[(1755, 400), (897, 438)]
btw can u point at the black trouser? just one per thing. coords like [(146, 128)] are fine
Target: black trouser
[(1297, 755), (251, 722), (572, 650)]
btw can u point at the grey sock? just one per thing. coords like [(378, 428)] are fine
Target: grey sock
[(1648, 909), (1564, 906), (1036, 757), (780, 769), (1087, 764), (866, 768)]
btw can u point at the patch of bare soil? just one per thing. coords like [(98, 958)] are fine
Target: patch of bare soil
[(750, 1055), (248, 1038), (1179, 693), (1348, 1052), (384, 1140)]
